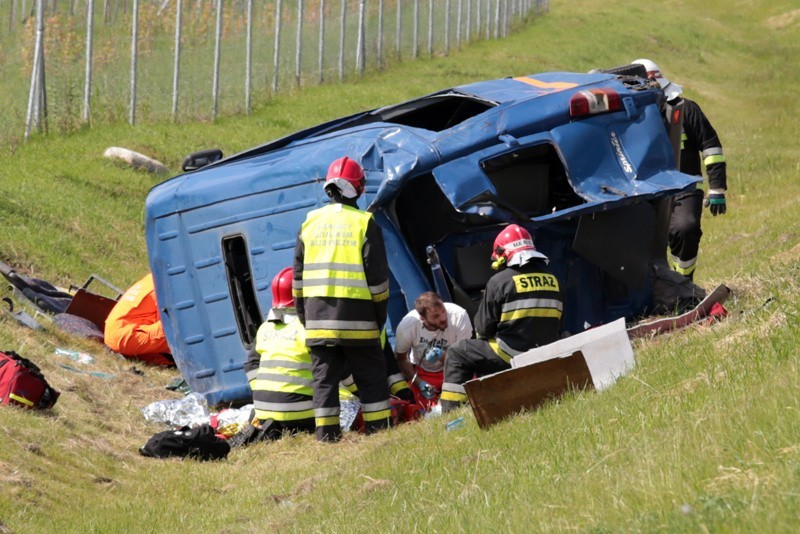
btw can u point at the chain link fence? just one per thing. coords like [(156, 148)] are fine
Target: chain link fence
[(65, 64)]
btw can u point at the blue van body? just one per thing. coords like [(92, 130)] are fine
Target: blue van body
[(444, 173)]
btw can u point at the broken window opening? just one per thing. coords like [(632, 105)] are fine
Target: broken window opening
[(240, 284), (533, 180), (433, 113)]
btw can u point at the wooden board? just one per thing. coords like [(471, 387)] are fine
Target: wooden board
[(668, 324), (499, 395)]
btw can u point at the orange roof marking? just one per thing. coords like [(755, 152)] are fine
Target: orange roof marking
[(560, 86)]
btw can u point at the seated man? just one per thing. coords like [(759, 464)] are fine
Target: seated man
[(422, 339), (520, 309), (134, 329)]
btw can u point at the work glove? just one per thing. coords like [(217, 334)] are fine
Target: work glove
[(426, 390), (716, 202), (433, 354)]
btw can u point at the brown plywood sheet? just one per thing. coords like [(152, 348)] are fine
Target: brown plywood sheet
[(499, 395)]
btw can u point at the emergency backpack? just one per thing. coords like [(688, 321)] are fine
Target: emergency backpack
[(23, 384)]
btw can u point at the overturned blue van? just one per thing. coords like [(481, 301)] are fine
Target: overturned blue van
[(585, 161)]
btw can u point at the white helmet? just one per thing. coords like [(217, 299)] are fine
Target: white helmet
[(671, 90)]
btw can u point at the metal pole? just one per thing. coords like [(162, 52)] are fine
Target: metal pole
[(430, 28), (321, 40), (176, 65), (360, 61), (217, 54), (276, 60), (380, 34), (298, 57), (460, 12), (87, 87), (399, 30), (488, 19), (33, 95), (248, 64), (447, 27), (415, 50), (341, 39), (478, 15), (468, 23), (134, 58), (11, 15)]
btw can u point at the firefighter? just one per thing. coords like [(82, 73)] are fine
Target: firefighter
[(699, 139), (341, 292), (520, 309), (279, 367), (134, 329)]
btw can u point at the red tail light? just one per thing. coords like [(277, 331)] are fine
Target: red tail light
[(593, 102)]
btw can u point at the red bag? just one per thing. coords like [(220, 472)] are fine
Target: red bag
[(22, 383)]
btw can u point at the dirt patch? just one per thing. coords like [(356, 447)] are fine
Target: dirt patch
[(780, 22)]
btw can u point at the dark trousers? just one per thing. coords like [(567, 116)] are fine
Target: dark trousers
[(685, 232), (367, 364), (465, 360)]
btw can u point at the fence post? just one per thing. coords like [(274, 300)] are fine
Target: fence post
[(341, 39), (321, 40), (11, 16), (87, 87), (496, 29), (380, 35), (298, 58), (399, 30), (415, 49), (248, 60), (360, 48), (34, 96), (430, 28), (488, 34), (276, 60), (478, 16), (134, 59), (459, 12), (447, 27), (176, 67), (217, 54), (468, 23)]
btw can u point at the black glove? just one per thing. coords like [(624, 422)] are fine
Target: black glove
[(716, 203)]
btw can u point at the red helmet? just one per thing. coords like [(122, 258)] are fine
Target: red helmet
[(347, 175), (512, 240), (282, 289)]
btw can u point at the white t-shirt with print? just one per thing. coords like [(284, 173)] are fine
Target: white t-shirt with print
[(410, 336)]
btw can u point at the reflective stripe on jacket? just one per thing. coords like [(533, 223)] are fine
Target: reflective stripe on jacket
[(521, 309), (701, 147), (284, 368)]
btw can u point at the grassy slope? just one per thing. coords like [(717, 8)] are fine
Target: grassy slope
[(703, 434)]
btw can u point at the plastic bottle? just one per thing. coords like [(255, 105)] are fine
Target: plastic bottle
[(456, 424), (80, 357)]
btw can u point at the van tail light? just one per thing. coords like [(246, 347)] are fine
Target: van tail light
[(594, 101)]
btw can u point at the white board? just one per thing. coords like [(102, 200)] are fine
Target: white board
[(607, 350)]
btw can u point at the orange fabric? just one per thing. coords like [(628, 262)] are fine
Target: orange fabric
[(133, 328)]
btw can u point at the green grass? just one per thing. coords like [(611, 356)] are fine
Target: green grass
[(703, 435)]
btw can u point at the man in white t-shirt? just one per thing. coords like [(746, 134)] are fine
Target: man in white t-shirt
[(422, 339)]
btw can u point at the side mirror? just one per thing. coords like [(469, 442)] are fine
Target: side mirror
[(198, 160)]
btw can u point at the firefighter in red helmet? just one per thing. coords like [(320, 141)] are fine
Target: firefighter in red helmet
[(341, 292), (279, 369), (520, 309)]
